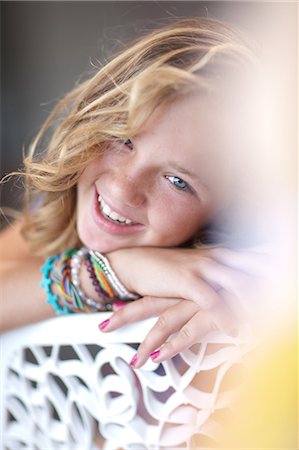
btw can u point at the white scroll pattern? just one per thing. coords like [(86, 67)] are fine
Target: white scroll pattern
[(59, 394)]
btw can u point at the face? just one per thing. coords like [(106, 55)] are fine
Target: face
[(156, 188)]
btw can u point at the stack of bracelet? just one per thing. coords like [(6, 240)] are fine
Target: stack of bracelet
[(102, 266), (63, 270)]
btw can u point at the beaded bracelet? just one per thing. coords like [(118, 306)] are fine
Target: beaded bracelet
[(92, 275), (100, 261), (100, 284), (101, 277), (63, 270), (68, 294), (75, 263)]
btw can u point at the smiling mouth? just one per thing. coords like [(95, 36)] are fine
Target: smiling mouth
[(113, 216)]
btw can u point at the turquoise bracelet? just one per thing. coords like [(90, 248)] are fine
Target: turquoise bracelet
[(46, 283)]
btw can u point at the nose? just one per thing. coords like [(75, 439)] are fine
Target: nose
[(127, 189)]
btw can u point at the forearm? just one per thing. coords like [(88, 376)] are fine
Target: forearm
[(22, 301)]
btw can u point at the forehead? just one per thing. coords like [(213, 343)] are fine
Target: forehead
[(189, 118), (194, 132), (190, 129)]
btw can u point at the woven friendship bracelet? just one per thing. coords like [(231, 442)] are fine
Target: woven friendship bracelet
[(102, 278), (95, 282), (100, 283), (46, 283), (61, 275), (67, 292), (119, 289), (63, 270), (75, 263)]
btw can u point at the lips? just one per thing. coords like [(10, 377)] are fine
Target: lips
[(112, 215), (112, 221)]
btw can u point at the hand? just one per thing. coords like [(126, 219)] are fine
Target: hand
[(193, 274), (182, 317), (233, 276)]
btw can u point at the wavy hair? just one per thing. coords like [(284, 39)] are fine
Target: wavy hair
[(115, 103)]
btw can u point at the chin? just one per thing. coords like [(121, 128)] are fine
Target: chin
[(86, 238), (98, 244)]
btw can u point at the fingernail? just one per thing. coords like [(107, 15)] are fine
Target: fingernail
[(134, 360), (104, 324), (118, 304), (155, 354)]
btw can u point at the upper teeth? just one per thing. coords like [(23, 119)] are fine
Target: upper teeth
[(107, 211)]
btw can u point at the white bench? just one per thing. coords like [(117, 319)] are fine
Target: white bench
[(63, 381)]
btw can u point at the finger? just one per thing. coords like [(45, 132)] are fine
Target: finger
[(195, 330), (170, 321), (135, 311)]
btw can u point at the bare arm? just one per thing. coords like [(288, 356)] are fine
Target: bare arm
[(163, 275), (12, 245), (22, 300)]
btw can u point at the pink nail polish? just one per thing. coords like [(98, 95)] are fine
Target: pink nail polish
[(118, 304), (134, 360), (155, 354), (104, 324)]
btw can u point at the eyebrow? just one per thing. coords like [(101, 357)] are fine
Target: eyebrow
[(184, 170)]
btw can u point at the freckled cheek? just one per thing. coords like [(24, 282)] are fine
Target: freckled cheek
[(172, 225), (93, 170)]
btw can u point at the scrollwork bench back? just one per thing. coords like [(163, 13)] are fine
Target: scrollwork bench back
[(63, 382)]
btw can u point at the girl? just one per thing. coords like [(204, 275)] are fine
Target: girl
[(143, 165)]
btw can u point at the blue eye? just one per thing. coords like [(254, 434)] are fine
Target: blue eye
[(178, 183)]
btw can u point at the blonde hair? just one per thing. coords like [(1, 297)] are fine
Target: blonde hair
[(114, 104)]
